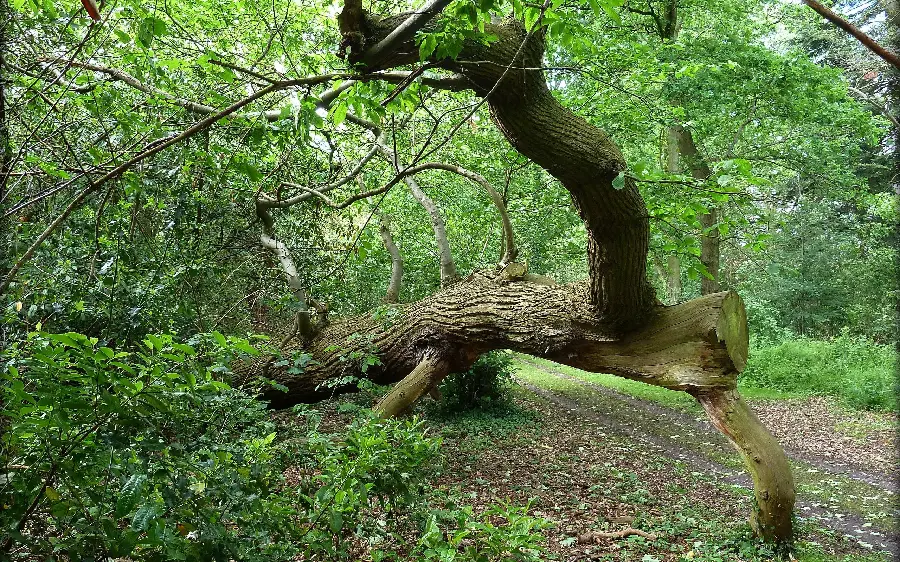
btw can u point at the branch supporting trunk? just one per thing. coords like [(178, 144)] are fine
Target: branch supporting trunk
[(426, 376), (773, 483)]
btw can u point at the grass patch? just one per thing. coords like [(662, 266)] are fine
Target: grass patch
[(672, 398)]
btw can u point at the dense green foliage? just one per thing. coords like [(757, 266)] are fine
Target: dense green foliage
[(148, 455), (123, 443), (859, 371), (484, 386)]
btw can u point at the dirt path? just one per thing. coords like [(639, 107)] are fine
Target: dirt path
[(681, 436)]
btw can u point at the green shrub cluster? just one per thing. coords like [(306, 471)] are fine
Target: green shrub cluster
[(858, 371), (482, 387), (148, 455)]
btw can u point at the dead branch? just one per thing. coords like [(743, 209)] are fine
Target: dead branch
[(594, 536)]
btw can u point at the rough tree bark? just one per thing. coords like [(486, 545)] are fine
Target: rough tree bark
[(609, 323)]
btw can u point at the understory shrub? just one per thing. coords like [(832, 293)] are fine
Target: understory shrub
[(483, 386), (856, 370), (148, 455)]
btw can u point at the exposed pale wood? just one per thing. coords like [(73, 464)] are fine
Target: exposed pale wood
[(773, 483), (427, 374)]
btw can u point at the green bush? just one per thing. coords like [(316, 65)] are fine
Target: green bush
[(483, 386), (146, 455), (858, 371)]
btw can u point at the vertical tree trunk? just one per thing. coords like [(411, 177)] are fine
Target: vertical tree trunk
[(709, 252), (393, 291), (448, 266), (709, 237), (673, 282)]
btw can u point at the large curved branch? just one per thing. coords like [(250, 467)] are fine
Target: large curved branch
[(375, 55), (578, 154), (510, 252), (855, 32)]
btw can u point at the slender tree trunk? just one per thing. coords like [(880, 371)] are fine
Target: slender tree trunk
[(393, 291), (773, 483), (709, 252), (445, 255), (688, 155), (680, 142)]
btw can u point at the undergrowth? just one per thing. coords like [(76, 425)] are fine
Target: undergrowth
[(146, 454), (857, 371)]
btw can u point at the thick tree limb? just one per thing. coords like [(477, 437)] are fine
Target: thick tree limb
[(868, 42), (695, 346)]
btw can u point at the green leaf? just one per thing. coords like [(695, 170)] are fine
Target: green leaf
[(339, 113), (336, 521), (532, 15), (243, 345), (144, 516), (130, 494), (426, 48), (220, 339), (619, 181)]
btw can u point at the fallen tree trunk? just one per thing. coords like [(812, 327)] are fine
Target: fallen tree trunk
[(610, 323), (698, 347)]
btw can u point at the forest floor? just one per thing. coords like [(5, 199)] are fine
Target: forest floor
[(593, 453)]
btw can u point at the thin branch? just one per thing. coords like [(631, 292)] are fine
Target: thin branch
[(271, 203), (78, 201), (510, 251)]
